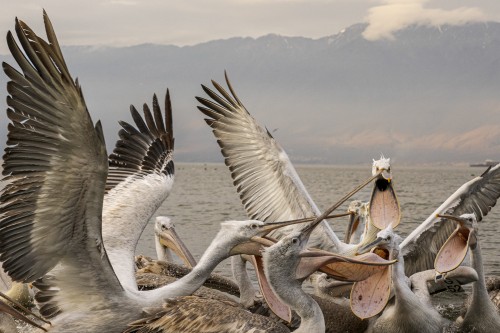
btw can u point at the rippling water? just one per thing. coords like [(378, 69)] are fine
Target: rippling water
[(203, 196)]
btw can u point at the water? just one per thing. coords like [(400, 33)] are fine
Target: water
[(203, 196)]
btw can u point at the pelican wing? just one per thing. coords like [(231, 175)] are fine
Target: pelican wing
[(198, 314), (140, 177), (55, 167), (144, 149), (266, 180), (477, 196)]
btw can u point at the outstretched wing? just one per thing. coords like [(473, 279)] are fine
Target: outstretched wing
[(266, 180), (141, 175), (144, 149), (477, 196), (55, 167)]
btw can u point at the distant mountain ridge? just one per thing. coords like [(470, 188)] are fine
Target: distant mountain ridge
[(431, 94)]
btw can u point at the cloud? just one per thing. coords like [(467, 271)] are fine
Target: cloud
[(393, 15)]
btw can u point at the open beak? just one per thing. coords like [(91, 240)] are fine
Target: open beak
[(370, 296), (18, 315), (454, 250), (275, 304), (341, 268), (384, 205), (171, 239)]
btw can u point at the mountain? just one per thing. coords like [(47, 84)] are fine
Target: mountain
[(428, 95)]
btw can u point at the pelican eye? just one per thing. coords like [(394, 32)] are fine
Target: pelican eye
[(295, 240), (254, 226)]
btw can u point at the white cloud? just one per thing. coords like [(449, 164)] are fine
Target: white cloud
[(393, 15)]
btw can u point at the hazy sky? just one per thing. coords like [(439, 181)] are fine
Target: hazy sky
[(129, 22)]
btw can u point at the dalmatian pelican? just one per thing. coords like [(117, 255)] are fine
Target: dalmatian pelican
[(482, 315)]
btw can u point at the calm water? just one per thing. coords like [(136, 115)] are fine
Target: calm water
[(203, 196)]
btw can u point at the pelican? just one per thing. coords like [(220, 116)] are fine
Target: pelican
[(287, 264), (357, 222), (482, 315), (55, 168), (408, 313), (477, 196)]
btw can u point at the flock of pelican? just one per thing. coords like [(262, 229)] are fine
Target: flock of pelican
[(71, 217)]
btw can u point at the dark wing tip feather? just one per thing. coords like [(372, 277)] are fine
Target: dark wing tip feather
[(46, 296), (146, 148)]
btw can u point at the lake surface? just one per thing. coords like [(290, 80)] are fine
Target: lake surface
[(203, 196)]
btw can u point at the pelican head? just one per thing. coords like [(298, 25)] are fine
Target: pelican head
[(167, 239), (387, 241), (454, 250), (163, 223), (382, 166), (358, 211)]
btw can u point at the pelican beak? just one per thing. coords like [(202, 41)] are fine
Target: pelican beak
[(18, 315), (352, 227), (370, 296), (170, 239), (275, 304), (384, 204), (454, 250), (270, 226), (341, 268), (251, 247)]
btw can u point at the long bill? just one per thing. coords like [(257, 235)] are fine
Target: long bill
[(171, 239), (351, 227), (342, 200), (454, 250)]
